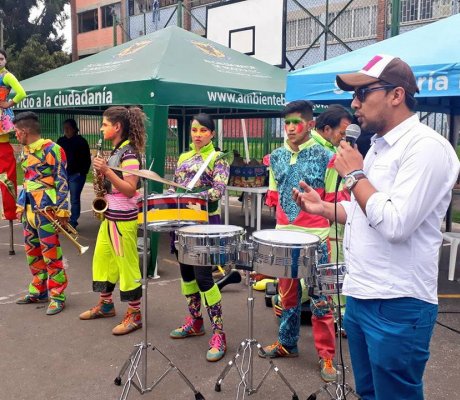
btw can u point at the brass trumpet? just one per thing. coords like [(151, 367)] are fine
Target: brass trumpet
[(68, 230)]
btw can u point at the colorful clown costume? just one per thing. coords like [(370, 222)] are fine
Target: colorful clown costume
[(116, 257), (197, 282), (8, 182), (287, 169), (45, 185)]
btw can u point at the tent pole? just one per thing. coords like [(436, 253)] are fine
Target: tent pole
[(157, 130)]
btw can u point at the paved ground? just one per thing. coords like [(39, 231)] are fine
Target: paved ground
[(63, 358)]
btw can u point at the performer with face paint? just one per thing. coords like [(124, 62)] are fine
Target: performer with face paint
[(116, 257), (197, 281), (301, 158), (8, 180)]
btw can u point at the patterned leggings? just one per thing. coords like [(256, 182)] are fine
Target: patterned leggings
[(44, 256)]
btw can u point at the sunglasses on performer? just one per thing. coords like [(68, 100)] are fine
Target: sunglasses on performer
[(361, 93)]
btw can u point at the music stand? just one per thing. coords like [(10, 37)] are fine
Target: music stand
[(247, 345), (138, 356)]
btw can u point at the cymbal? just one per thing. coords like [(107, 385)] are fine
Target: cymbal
[(147, 174)]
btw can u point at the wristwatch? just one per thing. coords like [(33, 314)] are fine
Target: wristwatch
[(352, 178)]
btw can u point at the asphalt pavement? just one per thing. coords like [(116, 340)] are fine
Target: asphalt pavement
[(61, 357)]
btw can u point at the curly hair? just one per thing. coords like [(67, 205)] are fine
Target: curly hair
[(132, 121)]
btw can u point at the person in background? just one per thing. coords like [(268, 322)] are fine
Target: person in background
[(78, 164), (400, 195), (330, 127), (8, 178), (116, 257), (301, 158), (197, 283), (45, 185)]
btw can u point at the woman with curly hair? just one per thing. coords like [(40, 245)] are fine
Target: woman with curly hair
[(115, 256)]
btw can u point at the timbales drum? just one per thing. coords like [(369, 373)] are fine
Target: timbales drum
[(208, 245), (325, 279), (168, 212), (281, 253)]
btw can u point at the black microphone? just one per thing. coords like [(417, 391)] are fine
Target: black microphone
[(351, 135)]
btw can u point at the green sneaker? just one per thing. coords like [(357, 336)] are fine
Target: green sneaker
[(55, 307), (328, 371), (32, 299)]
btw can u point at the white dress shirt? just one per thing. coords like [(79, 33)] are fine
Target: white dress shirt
[(393, 251)]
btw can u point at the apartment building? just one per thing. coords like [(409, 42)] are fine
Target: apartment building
[(93, 26)]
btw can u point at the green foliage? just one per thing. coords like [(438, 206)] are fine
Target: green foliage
[(33, 47), (18, 29), (34, 59)]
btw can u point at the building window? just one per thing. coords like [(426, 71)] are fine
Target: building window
[(301, 32), (136, 7), (416, 10), (107, 14), (87, 21), (355, 24)]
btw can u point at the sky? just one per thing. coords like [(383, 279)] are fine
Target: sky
[(67, 28)]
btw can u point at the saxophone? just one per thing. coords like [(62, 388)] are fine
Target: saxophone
[(100, 204)]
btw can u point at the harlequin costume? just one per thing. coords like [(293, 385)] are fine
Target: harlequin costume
[(287, 169), (45, 184), (197, 282), (115, 256), (7, 160)]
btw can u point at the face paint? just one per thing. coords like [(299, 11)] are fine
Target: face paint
[(297, 129), (297, 122), (201, 136)]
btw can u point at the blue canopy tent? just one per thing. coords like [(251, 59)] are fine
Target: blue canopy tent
[(432, 51)]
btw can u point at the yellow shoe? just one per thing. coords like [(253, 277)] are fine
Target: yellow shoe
[(131, 322)]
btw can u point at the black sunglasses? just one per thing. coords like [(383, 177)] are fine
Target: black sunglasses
[(361, 93)]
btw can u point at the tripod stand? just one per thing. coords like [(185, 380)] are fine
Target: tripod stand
[(138, 357), (247, 346)]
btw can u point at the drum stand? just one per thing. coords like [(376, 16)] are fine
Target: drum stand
[(246, 348), (11, 252), (138, 356)]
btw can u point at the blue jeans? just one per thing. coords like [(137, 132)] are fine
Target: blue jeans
[(76, 183), (389, 346)]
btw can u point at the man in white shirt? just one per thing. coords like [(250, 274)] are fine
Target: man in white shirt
[(400, 194)]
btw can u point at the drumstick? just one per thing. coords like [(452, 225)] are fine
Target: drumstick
[(145, 173)]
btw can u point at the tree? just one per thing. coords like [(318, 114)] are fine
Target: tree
[(35, 58), (18, 29), (33, 46)]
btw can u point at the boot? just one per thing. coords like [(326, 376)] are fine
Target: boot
[(132, 321), (217, 347), (217, 344), (193, 325)]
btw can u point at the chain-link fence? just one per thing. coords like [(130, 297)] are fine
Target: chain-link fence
[(316, 30)]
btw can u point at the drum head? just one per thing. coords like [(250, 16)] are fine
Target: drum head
[(285, 237), (210, 229)]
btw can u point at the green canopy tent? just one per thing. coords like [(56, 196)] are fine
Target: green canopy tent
[(171, 73)]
